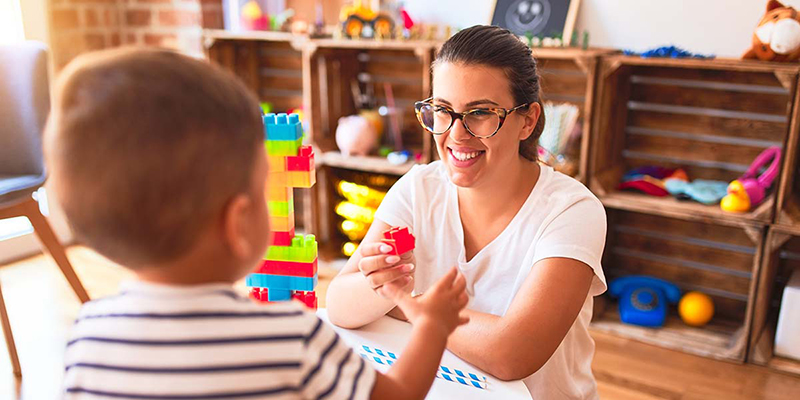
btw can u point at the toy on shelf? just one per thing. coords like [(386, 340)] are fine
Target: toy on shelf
[(650, 180), (253, 18), (749, 190), (643, 299), (703, 191), (777, 36), (289, 269), (358, 212), (667, 52), (401, 240), (361, 21), (696, 308)]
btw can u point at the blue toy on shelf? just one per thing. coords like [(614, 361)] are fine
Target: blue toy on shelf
[(643, 299)]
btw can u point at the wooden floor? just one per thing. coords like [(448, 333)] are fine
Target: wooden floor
[(42, 308)]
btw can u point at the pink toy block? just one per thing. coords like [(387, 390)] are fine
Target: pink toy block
[(304, 161), (282, 238), (307, 298), (401, 240), (288, 268)]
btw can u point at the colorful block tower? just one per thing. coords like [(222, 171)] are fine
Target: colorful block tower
[(289, 269)]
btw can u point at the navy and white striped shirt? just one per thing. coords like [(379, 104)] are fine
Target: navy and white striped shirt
[(206, 342)]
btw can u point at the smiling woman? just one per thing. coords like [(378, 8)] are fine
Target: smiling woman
[(527, 239)]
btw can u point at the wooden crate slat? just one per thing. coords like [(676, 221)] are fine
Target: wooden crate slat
[(737, 263), (709, 232), (709, 125), (712, 75), (681, 148), (545, 64), (563, 85), (760, 103)]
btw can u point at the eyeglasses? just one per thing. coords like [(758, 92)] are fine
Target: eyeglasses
[(480, 122)]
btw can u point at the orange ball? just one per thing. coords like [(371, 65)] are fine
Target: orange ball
[(696, 308)]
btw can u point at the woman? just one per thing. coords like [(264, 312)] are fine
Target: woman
[(529, 240)]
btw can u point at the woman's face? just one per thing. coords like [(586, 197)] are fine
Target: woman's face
[(469, 160)]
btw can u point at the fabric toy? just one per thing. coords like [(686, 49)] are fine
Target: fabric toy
[(700, 190), (650, 179), (777, 36), (749, 190)]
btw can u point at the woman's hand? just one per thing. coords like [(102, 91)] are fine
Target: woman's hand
[(379, 267)]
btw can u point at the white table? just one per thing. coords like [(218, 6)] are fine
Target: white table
[(391, 335)]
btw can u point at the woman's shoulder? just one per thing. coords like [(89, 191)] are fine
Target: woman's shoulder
[(566, 187)]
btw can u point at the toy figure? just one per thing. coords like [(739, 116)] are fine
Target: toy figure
[(748, 191), (777, 36)]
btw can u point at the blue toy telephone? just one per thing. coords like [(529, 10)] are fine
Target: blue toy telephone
[(643, 299)]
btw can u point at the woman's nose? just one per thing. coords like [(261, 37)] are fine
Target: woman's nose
[(459, 132)]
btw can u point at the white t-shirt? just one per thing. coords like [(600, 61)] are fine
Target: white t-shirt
[(560, 218), (206, 342)]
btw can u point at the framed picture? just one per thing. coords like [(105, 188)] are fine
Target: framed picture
[(543, 18)]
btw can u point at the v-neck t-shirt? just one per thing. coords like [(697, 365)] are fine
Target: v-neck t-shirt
[(560, 218)]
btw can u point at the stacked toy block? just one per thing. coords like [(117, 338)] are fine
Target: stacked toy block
[(289, 269)]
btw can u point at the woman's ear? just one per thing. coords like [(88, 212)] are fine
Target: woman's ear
[(235, 226), (531, 118)]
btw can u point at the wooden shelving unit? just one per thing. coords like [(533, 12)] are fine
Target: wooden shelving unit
[(569, 76), (719, 260), (710, 117), (781, 257)]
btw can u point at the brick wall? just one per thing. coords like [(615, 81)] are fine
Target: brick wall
[(78, 26)]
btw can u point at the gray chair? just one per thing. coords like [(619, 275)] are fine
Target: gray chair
[(24, 104)]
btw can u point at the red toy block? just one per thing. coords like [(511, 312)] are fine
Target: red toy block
[(259, 294), (307, 298), (288, 268), (280, 238), (401, 240), (304, 161)]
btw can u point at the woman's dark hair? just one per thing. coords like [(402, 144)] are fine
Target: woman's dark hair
[(496, 47)]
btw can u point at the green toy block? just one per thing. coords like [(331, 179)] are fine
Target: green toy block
[(303, 249), (283, 147), (280, 208)]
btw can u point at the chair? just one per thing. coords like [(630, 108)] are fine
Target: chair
[(24, 104)]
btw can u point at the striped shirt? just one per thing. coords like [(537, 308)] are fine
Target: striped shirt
[(206, 342)]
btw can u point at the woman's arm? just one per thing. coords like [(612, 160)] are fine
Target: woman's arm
[(517, 344), (351, 300)]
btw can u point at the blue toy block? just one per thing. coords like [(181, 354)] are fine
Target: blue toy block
[(284, 282), (274, 294), (282, 127)]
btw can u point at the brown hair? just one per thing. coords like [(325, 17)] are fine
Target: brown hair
[(496, 47), (146, 147)]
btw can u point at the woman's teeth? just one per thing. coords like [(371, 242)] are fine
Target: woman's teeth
[(464, 156)]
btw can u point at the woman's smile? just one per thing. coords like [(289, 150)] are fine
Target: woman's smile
[(463, 157)]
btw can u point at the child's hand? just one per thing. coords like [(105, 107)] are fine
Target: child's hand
[(380, 267), (438, 308)]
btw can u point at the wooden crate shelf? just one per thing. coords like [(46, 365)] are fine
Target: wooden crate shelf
[(721, 261), (331, 66), (788, 209), (269, 63), (781, 257), (568, 76), (709, 117)]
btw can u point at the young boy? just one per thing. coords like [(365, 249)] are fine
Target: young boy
[(158, 161)]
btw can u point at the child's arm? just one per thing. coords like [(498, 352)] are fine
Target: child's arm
[(434, 316)]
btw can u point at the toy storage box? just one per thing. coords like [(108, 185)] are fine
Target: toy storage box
[(719, 260), (778, 297), (787, 334), (710, 117)]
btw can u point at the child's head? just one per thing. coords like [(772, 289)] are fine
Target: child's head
[(157, 159)]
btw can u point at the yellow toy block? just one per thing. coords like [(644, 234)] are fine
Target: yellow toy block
[(302, 179), (280, 194), (276, 163), (278, 179), (281, 224)]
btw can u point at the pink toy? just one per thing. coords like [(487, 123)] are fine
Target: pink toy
[(355, 135), (749, 190)]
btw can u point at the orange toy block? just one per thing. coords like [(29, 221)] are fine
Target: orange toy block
[(283, 224), (280, 194)]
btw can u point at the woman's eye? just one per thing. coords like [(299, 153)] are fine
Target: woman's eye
[(481, 113), (440, 109)]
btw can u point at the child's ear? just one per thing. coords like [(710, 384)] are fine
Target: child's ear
[(235, 226), (531, 118)]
